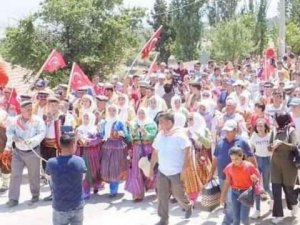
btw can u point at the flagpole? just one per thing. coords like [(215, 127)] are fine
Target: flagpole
[(136, 58), (152, 64), (10, 96), (41, 69), (70, 80)]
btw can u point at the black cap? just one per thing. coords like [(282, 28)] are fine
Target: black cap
[(26, 103), (268, 84), (101, 98)]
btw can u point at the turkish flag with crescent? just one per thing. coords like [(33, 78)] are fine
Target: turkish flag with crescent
[(151, 44), (54, 62), (78, 78)]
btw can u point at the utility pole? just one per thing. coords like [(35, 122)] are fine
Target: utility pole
[(281, 28)]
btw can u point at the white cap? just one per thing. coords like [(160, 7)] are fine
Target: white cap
[(230, 125)]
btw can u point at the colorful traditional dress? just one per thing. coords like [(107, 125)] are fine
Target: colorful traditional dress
[(114, 164), (199, 163), (89, 150), (137, 182)]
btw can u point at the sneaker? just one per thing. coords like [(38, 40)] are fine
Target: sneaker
[(264, 196), (3, 189), (12, 203), (255, 215), (162, 222), (48, 199), (294, 211), (35, 199), (277, 220), (188, 212)]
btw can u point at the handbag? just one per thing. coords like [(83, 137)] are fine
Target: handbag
[(258, 188), (211, 195), (295, 157), (247, 197)]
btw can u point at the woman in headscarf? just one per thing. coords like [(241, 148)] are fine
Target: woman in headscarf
[(284, 173), (87, 105), (126, 112), (176, 105), (205, 112), (143, 131), (113, 150), (89, 149), (199, 166), (154, 108)]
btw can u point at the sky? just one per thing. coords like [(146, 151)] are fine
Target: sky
[(12, 10)]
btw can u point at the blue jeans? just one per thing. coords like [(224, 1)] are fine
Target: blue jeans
[(114, 187), (240, 211), (74, 217), (228, 217), (263, 164)]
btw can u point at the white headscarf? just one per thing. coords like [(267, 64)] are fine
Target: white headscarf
[(144, 121), (123, 110), (173, 100), (109, 121), (199, 124), (153, 112), (92, 106), (85, 130)]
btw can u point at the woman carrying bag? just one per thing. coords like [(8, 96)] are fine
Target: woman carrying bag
[(240, 176), (283, 142)]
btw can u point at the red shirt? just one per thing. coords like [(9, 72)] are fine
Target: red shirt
[(239, 176)]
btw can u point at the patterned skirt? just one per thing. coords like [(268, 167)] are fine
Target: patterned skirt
[(137, 182), (192, 182), (91, 156), (114, 164)]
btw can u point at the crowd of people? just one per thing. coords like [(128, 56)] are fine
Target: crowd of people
[(172, 131)]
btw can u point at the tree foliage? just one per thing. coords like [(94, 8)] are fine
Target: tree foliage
[(160, 16), (98, 34), (260, 35), (232, 40), (221, 10), (293, 36), (188, 25)]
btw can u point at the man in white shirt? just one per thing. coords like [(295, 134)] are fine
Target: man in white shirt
[(171, 147)]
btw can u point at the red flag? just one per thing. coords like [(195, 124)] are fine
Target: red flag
[(151, 44), (13, 101), (54, 62), (78, 79), (3, 75)]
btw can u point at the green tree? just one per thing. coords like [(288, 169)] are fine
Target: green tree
[(293, 36), (188, 24), (231, 40), (160, 16), (221, 10), (98, 34), (260, 35)]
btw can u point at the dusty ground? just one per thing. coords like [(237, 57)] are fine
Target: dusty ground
[(100, 209)]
